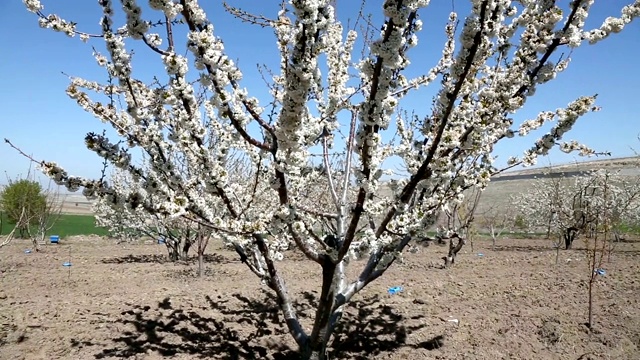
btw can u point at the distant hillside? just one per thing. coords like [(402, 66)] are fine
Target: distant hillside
[(502, 187), (514, 182), (627, 166)]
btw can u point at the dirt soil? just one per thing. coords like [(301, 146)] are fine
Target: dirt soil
[(127, 302)]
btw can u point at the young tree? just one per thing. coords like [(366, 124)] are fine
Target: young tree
[(459, 227), (128, 224), (503, 54), (46, 217), (609, 199), (23, 201), (496, 220), (32, 209), (203, 235), (600, 200)]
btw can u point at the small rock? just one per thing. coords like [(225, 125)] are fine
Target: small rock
[(17, 336)]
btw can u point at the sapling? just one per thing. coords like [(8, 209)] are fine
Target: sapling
[(495, 220), (9, 237), (203, 236), (46, 217), (460, 224), (602, 200)]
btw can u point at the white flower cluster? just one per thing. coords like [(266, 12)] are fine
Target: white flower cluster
[(136, 27), (574, 26), (566, 119), (613, 25), (56, 23), (169, 7)]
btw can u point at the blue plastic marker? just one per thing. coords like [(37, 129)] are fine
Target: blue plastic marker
[(394, 290)]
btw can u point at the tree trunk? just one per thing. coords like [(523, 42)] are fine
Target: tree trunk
[(569, 236), (309, 353), (174, 249), (178, 248), (316, 347), (23, 232), (200, 263), (35, 241), (590, 321), (186, 245), (450, 259)]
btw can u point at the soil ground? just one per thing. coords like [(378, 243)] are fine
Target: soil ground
[(126, 302)]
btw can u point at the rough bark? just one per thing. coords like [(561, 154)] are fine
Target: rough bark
[(178, 248), (316, 347), (569, 236), (454, 249)]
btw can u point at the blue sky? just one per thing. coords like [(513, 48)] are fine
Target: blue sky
[(39, 117)]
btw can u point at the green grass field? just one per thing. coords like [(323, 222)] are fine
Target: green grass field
[(67, 225)]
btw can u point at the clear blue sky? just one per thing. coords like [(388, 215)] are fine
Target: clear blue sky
[(39, 117)]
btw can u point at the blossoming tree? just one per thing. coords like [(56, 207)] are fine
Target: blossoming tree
[(491, 63), (129, 224), (570, 207), (593, 206)]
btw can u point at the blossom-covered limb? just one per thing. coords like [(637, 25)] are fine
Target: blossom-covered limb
[(424, 170), (277, 284), (208, 51), (375, 111)]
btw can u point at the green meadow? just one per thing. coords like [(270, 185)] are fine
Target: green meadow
[(66, 225)]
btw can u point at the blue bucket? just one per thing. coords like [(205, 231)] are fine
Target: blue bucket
[(161, 241), (54, 239)]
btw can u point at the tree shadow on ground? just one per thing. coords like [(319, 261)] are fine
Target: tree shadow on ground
[(162, 259), (627, 252), (628, 240), (574, 249), (523, 248), (253, 328), (369, 329)]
